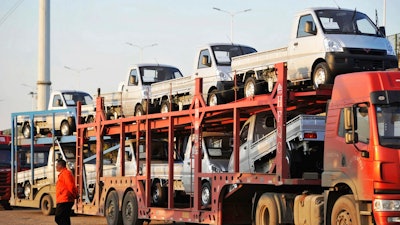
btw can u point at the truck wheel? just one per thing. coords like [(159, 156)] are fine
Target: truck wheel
[(65, 128), (130, 209), (113, 215), (250, 87), (47, 206), (139, 111), (27, 190), (206, 194), (267, 211), (90, 119), (321, 75), (157, 194), (344, 211), (164, 107), (214, 98), (26, 130)]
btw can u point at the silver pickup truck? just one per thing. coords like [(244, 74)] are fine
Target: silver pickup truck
[(258, 138)]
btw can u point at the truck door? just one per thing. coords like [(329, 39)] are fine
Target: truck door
[(205, 64), (188, 167), (132, 92), (244, 149), (304, 48)]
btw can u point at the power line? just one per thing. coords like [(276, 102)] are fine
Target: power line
[(10, 12)]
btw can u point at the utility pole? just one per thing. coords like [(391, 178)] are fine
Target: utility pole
[(43, 82)]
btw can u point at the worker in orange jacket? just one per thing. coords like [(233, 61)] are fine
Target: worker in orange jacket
[(66, 193)]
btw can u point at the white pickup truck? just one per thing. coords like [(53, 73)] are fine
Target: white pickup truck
[(213, 64), (135, 92), (159, 167), (44, 172), (216, 152), (304, 140), (60, 114), (324, 42)]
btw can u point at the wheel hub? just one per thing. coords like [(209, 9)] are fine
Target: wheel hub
[(249, 90), (320, 77), (344, 218)]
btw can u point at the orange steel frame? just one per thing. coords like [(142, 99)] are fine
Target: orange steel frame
[(195, 119)]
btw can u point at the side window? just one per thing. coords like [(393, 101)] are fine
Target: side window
[(133, 79), (362, 124), (57, 101), (244, 133), (301, 29), (204, 59)]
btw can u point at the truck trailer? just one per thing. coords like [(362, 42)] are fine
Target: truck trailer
[(356, 184)]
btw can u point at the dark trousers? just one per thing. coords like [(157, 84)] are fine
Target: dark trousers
[(63, 212)]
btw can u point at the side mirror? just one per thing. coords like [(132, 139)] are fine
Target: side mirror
[(308, 28), (59, 102), (382, 30), (205, 61)]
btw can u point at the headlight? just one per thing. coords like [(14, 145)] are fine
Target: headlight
[(386, 205), (389, 49), (224, 76), (332, 46)]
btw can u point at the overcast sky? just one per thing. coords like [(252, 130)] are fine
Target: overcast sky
[(93, 33)]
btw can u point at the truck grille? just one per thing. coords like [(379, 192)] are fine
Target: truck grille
[(364, 51)]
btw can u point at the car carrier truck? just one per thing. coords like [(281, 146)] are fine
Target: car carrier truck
[(323, 43), (356, 185)]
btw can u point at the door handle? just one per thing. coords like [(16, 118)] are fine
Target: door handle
[(296, 44)]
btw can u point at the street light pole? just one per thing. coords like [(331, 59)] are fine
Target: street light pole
[(78, 72), (232, 14), (141, 48)]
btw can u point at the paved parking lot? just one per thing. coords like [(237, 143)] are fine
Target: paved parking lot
[(24, 216)]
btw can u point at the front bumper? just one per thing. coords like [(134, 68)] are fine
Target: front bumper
[(387, 217), (359, 60), (227, 92)]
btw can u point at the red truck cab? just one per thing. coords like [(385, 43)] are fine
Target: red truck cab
[(362, 147), (5, 169)]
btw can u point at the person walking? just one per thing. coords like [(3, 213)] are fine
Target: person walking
[(66, 193)]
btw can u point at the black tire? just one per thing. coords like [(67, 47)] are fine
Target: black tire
[(139, 111), (344, 211), (206, 194), (165, 107), (27, 190), (321, 75), (251, 87), (158, 195), (112, 213), (26, 130), (267, 211), (47, 206), (130, 210), (214, 98), (65, 128), (90, 119)]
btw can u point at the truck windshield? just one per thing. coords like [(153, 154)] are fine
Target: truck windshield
[(347, 22), (224, 53), (388, 118), (153, 74), (219, 147), (72, 98), (5, 156)]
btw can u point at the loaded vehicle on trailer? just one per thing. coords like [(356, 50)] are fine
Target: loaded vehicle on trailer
[(5, 170), (324, 42), (60, 115), (134, 95), (212, 63), (356, 184)]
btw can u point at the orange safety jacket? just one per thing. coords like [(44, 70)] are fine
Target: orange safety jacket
[(66, 190)]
